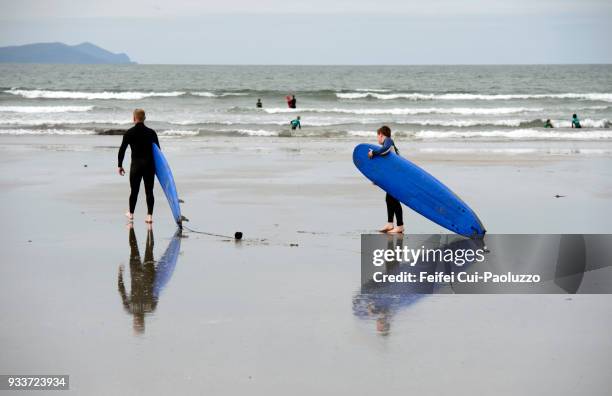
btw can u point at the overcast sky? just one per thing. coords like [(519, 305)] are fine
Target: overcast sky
[(322, 31)]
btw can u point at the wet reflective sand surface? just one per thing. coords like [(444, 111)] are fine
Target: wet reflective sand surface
[(132, 311)]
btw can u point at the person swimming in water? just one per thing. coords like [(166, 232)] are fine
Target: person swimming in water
[(295, 124), (142, 168), (575, 122), (548, 124), (394, 207), (259, 104)]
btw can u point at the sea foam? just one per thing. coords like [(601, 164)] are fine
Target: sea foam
[(46, 94), (604, 97), (44, 109)]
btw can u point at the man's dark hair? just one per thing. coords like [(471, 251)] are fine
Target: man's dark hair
[(384, 130), (574, 115)]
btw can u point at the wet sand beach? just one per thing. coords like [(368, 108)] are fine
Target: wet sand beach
[(273, 314)]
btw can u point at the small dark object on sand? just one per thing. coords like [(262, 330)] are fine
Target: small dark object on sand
[(294, 245), (238, 235), (85, 166), (559, 196)]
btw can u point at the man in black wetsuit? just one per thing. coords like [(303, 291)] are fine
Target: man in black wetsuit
[(141, 140)]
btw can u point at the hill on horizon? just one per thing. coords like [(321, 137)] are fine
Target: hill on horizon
[(84, 53)]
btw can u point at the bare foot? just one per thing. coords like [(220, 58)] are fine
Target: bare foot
[(397, 230), (388, 227), (130, 216), (149, 219)]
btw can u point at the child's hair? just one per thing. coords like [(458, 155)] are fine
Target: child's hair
[(384, 130)]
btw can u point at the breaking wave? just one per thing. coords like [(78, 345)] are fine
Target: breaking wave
[(604, 97), (410, 111), (44, 109), (517, 134), (50, 131), (46, 94)]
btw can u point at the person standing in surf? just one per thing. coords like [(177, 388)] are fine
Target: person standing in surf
[(291, 102), (295, 124), (394, 207), (575, 122), (142, 168)]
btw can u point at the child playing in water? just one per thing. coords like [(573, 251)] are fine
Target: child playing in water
[(296, 123), (394, 207)]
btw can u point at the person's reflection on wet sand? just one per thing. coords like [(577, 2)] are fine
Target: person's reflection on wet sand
[(142, 300), (381, 308), (382, 302)]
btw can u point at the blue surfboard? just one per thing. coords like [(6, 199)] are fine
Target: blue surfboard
[(418, 190), (166, 180)]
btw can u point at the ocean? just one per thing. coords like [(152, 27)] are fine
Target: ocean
[(428, 103)]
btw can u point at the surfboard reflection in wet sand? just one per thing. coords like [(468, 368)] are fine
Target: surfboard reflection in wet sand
[(147, 277)]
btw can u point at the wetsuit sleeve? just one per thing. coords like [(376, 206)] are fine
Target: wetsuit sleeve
[(124, 143), (156, 140), (384, 149), (299, 124)]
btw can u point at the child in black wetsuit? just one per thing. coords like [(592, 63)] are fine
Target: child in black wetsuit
[(394, 207)]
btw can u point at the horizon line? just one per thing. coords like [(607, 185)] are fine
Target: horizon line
[(134, 63)]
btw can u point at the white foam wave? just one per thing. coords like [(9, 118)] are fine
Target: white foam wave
[(205, 94), (586, 123), (517, 134), (410, 111), (176, 132), (602, 107), (46, 94), (39, 122), (44, 109), (255, 132), (362, 133), (603, 97), (221, 95), (353, 95), (45, 132), (465, 123)]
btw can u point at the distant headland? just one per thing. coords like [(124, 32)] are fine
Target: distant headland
[(84, 53)]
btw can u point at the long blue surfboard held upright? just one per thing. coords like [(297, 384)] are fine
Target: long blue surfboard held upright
[(419, 190), (166, 180)]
